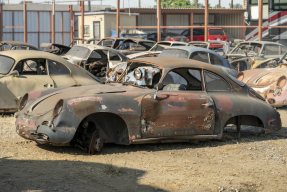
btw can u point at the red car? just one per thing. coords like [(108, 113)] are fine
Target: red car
[(214, 34)]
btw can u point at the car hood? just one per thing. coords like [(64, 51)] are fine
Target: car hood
[(47, 103), (263, 77)]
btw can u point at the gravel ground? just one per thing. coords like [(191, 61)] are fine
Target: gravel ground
[(256, 162)]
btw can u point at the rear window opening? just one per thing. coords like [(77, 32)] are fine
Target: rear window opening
[(216, 32)]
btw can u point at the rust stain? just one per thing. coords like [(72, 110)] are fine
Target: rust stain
[(224, 102), (125, 110), (76, 101), (139, 99)]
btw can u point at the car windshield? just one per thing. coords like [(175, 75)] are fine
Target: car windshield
[(6, 63), (247, 48), (160, 46), (216, 32), (174, 53), (77, 51), (107, 43)]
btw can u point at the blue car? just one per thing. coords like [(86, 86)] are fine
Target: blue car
[(200, 54)]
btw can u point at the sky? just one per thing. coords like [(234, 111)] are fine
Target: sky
[(131, 3)]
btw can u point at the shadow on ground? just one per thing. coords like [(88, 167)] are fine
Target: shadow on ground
[(33, 175)]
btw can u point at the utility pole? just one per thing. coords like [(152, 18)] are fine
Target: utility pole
[(53, 21), (139, 3)]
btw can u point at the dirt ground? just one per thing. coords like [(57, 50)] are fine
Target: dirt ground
[(256, 162)]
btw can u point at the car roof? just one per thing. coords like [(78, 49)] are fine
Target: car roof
[(174, 62), (262, 42), (26, 54), (18, 43), (173, 42), (191, 49)]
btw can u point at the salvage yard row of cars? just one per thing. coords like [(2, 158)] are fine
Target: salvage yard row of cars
[(140, 91)]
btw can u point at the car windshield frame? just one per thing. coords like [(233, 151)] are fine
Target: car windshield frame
[(165, 54), (236, 49), (3, 62), (72, 52)]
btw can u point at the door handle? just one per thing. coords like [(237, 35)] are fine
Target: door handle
[(206, 104)]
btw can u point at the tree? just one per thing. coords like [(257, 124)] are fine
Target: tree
[(175, 4), (236, 6)]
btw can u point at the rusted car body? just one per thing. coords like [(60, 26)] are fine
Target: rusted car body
[(195, 105), (260, 50), (270, 83), (111, 42), (94, 58), (16, 45), (130, 46), (250, 63), (25, 71)]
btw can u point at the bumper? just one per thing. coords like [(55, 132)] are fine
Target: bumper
[(44, 134)]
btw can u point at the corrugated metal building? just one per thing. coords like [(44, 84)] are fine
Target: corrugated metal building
[(39, 22), (182, 17)]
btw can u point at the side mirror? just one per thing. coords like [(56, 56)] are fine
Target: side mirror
[(15, 73), (158, 86)]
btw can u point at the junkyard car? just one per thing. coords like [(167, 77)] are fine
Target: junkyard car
[(57, 50), (223, 50), (16, 45), (94, 58), (194, 105), (199, 54), (270, 83), (156, 49), (110, 42), (260, 50), (250, 63), (25, 71), (130, 46)]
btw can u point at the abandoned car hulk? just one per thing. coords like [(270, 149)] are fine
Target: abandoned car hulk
[(23, 71), (175, 99), (270, 83)]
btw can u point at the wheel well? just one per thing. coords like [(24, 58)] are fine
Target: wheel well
[(111, 127), (246, 120)]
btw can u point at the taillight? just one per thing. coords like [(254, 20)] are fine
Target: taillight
[(187, 39), (172, 39)]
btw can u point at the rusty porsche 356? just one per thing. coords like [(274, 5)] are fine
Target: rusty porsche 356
[(175, 99), (270, 83)]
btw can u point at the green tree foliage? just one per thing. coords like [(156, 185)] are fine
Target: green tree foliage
[(236, 6), (180, 4)]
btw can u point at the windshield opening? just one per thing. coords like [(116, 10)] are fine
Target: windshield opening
[(247, 48), (77, 51), (174, 53), (160, 46), (6, 64)]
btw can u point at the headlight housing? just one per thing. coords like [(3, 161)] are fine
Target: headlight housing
[(23, 102), (58, 108), (137, 74)]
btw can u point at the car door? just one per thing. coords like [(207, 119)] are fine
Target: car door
[(182, 108), (32, 76), (60, 74)]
